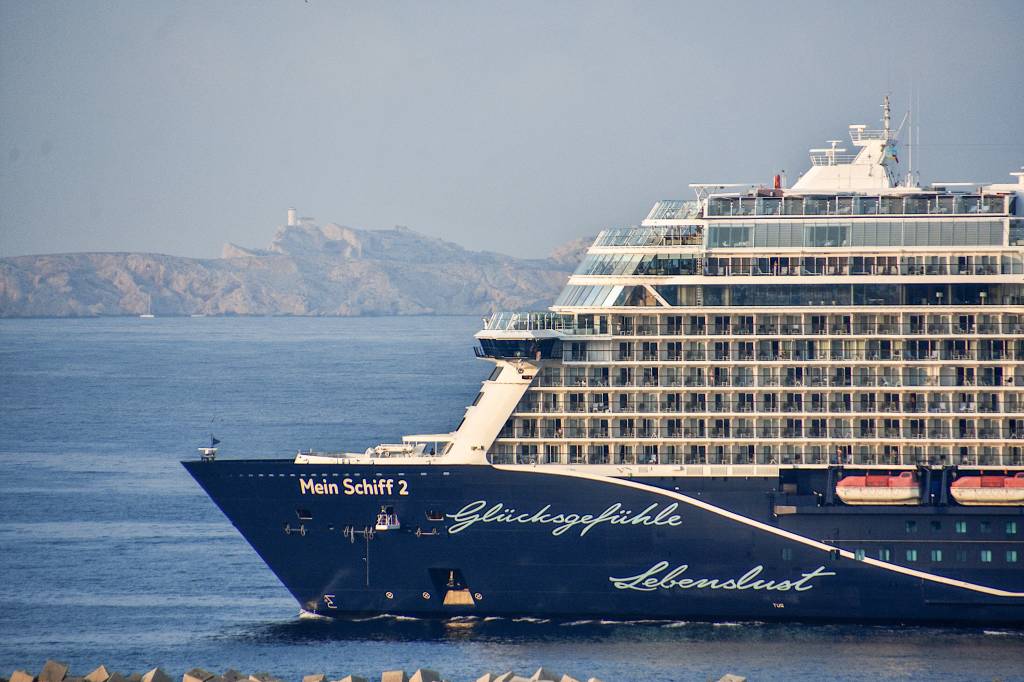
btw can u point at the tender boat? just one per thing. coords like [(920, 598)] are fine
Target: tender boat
[(1001, 490), (902, 488)]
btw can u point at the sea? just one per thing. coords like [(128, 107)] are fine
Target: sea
[(110, 553)]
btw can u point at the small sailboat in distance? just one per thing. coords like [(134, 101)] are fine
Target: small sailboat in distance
[(148, 315)]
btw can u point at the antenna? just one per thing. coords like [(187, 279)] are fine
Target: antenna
[(910, 144), (917, 142), (886, 116)]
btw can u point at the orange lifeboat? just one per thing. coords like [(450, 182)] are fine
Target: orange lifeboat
[(989, 490), (880, 489)]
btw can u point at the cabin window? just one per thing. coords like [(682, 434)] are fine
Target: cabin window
[(911, 555), (911, 526), (1011, 556), (1011, 527), (961, 555), (986, 556), (936, 525), (885, 554), (859, 555), (985, 526), (787, 554), (961, 527), (304, 514), (936, 555)]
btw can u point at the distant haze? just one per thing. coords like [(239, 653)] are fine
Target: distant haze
[(176, 126)]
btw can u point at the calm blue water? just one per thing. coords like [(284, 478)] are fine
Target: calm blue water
[(110, 553)]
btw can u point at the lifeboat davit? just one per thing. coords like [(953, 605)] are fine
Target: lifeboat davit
[(989, 490), (880, 489)]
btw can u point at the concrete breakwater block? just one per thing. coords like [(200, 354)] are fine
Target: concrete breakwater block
[(156, 675), (22, 676), (394, 676), (53, 672), (352, 678), (197, 675), (318, 677), (100, 674), (729, 677), (263, 677), (425, 675), (568, 678), (544, 675), (117, 677)]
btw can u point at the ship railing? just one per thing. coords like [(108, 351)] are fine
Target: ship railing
[(674, 235), (598, 406), (830, 159), (748, 432), (858, 328), (730, 205), (530, 321), (764, 381), (788, 455), (675, 209), (591, 356), (859, 134)]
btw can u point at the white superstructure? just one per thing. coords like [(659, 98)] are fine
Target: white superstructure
[(844, 319), (847, 319)]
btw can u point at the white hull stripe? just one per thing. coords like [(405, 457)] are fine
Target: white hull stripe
[(846, 554)]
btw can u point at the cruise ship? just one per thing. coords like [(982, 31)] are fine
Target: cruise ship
[(767, 402)]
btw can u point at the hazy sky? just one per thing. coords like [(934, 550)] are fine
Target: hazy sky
[(176, 126)]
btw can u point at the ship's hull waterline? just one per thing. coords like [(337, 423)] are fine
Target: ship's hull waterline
[(487, 541)]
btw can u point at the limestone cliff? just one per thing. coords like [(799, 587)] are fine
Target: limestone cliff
[(307, 270)]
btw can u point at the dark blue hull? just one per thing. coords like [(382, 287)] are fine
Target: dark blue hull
[(488, 542)]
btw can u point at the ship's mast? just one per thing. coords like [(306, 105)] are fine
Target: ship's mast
[(886, 116)]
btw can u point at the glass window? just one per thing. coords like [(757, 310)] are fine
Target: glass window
[(911, 555), (859, 555), (986, 556), (787, 553), (1011, 527), (911, 526), (936, 525), (1011, 556), (961, 555), (960, 527), (867, 205), (857, 234), (885, 554), (936, 555), (985, 526)]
